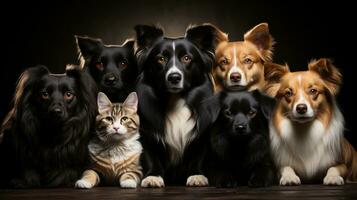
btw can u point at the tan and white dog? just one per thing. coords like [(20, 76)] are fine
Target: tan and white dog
[(307, 127), (239, 64)]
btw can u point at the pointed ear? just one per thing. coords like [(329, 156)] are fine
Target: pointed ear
[(87, 47), (131, 101), (146, 36), (103, 103), (260, 36), (328, 72), (267, 104), (206, 36), (273, 74), (129, 43)]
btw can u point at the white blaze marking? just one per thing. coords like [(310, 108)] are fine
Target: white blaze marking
[(174, 69), (236, 69), (302, 100)]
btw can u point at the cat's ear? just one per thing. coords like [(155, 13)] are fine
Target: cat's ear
[(131, 101), (103, 102)]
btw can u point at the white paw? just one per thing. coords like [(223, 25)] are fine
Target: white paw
[(153, 181), (333, 180), (197, 181), (128, 183), (290, 179), (83, 184)]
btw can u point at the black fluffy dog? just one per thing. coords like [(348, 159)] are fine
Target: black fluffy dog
[(45, 135), (239, 139), (113, 67), (174, 81)]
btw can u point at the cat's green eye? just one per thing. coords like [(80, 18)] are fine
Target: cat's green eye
[(124, 119), (109, 118)]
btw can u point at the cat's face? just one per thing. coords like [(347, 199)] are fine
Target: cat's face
[(117, 121)]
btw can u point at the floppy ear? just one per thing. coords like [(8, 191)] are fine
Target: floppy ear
[(103, 103), (267, 104), (87, 47), (260, 36), (21, 114), (206, 36), (273, 74), (209, 110), (146, 36), (328, 72), (131, 101)]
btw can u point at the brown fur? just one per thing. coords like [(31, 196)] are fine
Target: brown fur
[(326, 79), (257, 46)]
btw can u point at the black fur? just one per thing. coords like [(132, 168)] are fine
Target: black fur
[(154, 95), (45, 135), (113, 67), (239, 139)]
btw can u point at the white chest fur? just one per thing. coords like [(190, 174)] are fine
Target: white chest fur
[(310, 149), (179, 126), (117, 153)]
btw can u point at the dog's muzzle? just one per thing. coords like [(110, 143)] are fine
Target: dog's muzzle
[(174, 80)]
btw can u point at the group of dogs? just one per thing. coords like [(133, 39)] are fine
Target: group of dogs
[(212, 112)]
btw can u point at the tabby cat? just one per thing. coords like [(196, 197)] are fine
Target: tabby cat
[(115, 150)]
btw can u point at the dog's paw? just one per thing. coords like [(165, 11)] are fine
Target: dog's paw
[(290, 179), (128, 183), (333, 180), (197, 181), (83, 184), (153, 182)]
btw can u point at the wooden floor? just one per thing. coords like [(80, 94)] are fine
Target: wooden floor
[(305, 192)]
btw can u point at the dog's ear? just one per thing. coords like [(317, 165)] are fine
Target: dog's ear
[(205, 37), (146, 36), (273, 74), (329, 73), (129, 43), (22, 109), (209, 110), (260, 36), (131, 101), (103, 103), (267, 104), (87, 47)]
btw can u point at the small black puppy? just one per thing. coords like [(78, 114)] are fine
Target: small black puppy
[(113, 67), (239, 139), (44, 137)]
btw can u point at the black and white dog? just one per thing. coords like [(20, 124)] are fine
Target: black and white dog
[(238, 127), (113, 67), (174, 81)]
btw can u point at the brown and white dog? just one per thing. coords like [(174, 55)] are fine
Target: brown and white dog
[(240, 64), (307, 127)]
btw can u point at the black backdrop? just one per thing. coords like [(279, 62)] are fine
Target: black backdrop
[(42, 33)]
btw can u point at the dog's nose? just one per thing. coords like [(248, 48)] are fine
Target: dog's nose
[(110, 80), (174, 78), (240, 127), (235, 77), (57, 111), (301, 108)]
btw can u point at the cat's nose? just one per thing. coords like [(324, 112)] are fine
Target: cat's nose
[(116, 129)]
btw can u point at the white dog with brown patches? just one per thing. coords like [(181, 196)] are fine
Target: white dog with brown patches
[(307, 127)]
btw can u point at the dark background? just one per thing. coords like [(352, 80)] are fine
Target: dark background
[(43, 33)]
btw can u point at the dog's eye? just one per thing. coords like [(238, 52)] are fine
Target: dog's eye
[(45, 95), (252, 113), (99, 65), (161, 60), (223, 62), (227, 113), (313, 91), (123, 63), (186, 59), (68, 95), (288, 93), (247, 61)]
